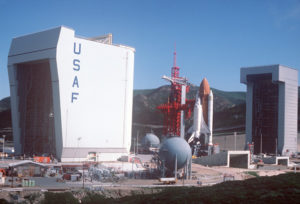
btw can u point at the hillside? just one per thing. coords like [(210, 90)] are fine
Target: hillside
[(5, 104), (229, 109), (5, 118)]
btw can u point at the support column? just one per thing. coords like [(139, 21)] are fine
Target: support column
[(249, 101)]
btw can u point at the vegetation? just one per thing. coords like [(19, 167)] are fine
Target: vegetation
[(284, 188), (56, 198), (92, 197), (5, 104), (3, 201), (252, 173), (32, 197)]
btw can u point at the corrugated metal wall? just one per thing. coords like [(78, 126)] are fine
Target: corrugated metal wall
[(35, 107)]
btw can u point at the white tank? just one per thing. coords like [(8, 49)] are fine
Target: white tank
[(150, 140), (172, 147)]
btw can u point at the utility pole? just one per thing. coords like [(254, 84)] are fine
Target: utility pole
[(83, 175), (134, 146), (50, 136), (132, 160), (234, 140), (12, 176), (260, 143), (137, 143), (163, 164), (276, 147), (75, 154), (175, 167), (3, 152)]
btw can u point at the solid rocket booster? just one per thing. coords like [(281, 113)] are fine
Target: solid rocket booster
[(197, 120), (210, 116), (197, 117)]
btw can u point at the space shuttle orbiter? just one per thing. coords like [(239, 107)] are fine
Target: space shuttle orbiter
[(203, 113)]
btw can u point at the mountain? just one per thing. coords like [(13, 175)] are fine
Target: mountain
[(5, 119), (229, 109), (5, 115), (5, 104)]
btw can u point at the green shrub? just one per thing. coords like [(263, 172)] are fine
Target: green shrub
[(32, 197), (91, 198), (252, 173), (284, 188), (3, 201), (57, 198)]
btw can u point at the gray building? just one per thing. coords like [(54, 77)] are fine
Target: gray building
[(271, 108)]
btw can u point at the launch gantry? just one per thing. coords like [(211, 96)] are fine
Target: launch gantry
[(178, 107)]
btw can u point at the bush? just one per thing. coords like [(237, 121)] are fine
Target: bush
[(91, 198), (32, 197), (3, 201), (57, 198), (252, 173), (284, 188)]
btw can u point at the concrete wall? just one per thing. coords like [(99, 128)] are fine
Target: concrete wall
[(238, 159), (276, 160), (235, 159), (219, 159)]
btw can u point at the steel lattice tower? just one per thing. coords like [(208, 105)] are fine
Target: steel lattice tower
[(177, 102)]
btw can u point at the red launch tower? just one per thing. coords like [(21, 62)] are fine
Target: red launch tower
[(178, 106)]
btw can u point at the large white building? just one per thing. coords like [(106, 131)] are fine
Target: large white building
[(271, 108), (71, 96)]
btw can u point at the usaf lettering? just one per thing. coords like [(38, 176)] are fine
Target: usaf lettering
[(76, 68)]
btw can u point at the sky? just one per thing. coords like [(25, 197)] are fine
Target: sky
[(214, 39)]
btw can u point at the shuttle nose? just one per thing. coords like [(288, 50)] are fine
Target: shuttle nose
[(204, 88)]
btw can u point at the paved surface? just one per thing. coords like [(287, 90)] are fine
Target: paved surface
[(207, 176)]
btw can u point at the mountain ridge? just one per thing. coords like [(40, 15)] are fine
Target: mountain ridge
[(229, 110)]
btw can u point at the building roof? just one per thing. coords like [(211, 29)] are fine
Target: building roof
[(279, 73)]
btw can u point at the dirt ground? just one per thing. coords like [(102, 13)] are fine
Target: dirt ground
[(207, 175), (127, 187)]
